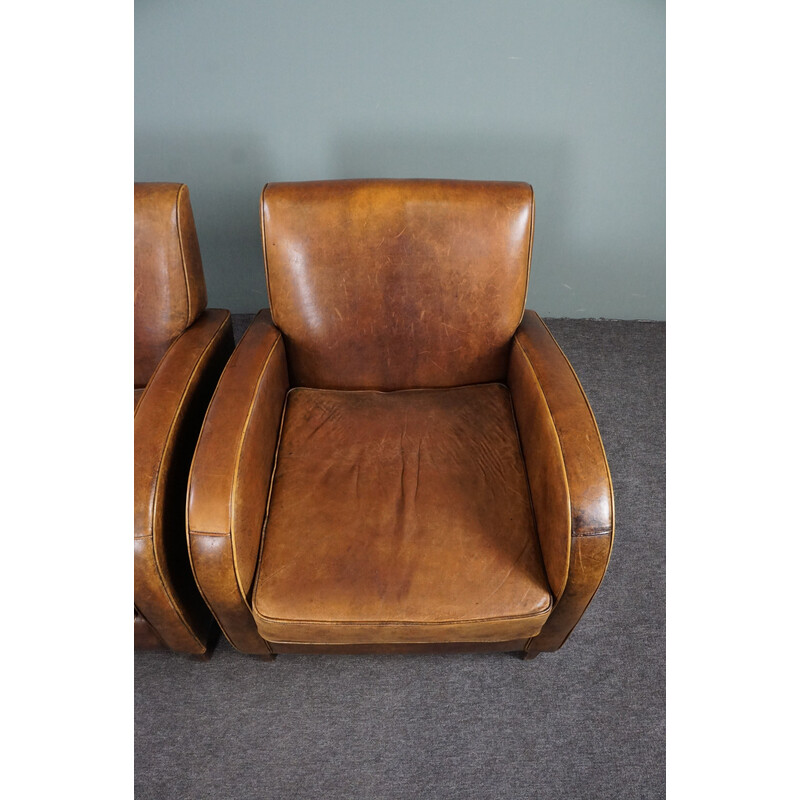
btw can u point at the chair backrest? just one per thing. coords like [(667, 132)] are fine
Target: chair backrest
[(169, 287), (397, 284)]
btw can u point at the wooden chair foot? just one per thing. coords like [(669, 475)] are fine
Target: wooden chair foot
[(527, 655), (201, 656)]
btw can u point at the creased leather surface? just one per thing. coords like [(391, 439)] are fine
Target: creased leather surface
[(386, 284), (539, 361), (400, 517), (169, 286)]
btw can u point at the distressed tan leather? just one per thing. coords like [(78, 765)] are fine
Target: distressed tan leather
[(169, 287), (180, 349), (166, 425), (230, 479), (397, 284), (400, 517), (569, 477), (429, 468)]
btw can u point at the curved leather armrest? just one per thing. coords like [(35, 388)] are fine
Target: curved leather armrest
[(570, 484), (231, 476), (167, 420)]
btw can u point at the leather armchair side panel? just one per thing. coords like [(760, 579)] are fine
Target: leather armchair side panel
[(169, 287), (380, 284), (167, 421), (544, 463), (548, 398), (230, 479)]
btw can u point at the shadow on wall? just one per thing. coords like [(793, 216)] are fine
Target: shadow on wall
[(225, 175)]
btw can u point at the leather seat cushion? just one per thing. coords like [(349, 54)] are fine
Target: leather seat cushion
[(400, 517)]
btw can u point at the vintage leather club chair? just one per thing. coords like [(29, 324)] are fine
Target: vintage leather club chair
[(180, 348), (399, 458)]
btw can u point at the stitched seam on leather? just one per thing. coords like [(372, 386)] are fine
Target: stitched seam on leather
[(159, 570), (209, 533), (594, 421), (561, 448), (578, 534), (403, 643), (589, 600), (530, 253), (264, 249), (405, 623), (211, 607), (530, 498), (168, 595), (584, 533), (157, 476), (237, 461), (269, 498), (163, 358), (400, 391), (189, 532), (555, 427), (183, 255)]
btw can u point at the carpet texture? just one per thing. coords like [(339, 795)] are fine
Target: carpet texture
[(585, 722)]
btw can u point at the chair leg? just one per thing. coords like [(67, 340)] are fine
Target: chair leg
[(268, 657), (201, 656), (527, 655)]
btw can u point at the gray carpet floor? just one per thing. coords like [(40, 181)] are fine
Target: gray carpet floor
[(585, 722)]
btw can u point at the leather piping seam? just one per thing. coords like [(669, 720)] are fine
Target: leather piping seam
[(264, 249), (532, 207), (401, 644), (400, 391), (183, 255), (563, 460), (530, 497), (210, 604), (530, 253), (406, 623), (163, 358), (596, 589), (586, 533), (269, 499), (224, 535), (157, 477), (237, 463), (594, 421), (574, 532)]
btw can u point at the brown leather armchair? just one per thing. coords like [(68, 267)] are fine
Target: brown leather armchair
[(399, 458), (180, 348)]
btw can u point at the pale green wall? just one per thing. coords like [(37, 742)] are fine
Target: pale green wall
[(567, 95)]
